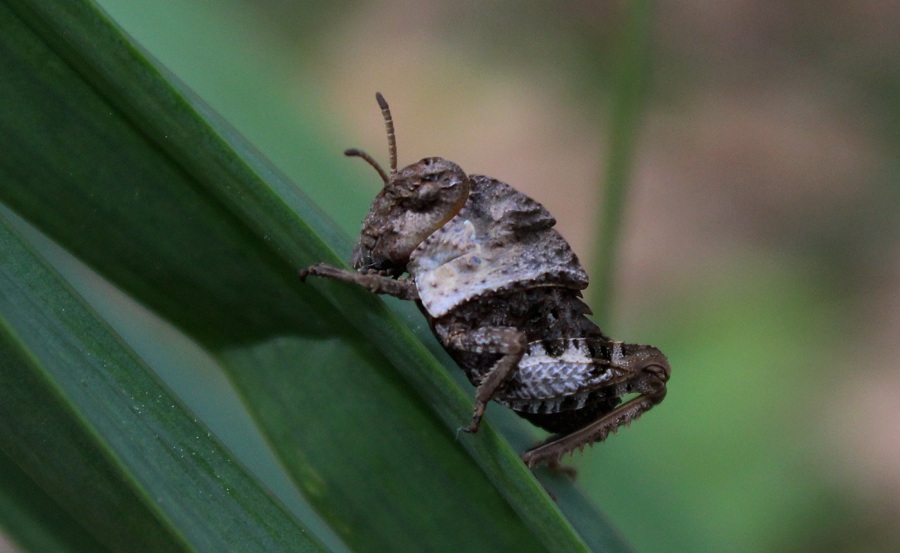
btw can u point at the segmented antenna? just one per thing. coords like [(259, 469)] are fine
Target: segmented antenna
[(353, 152), (392, 142), (389, 124)]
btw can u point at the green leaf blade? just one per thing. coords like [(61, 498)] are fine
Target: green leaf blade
[(177, 211), (34, 519), (127, 461)]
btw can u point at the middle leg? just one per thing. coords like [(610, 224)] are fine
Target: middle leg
[(508, 341)]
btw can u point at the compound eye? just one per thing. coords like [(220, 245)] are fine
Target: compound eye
[(426, 194)]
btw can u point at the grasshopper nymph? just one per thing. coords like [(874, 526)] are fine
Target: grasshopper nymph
[(501, 289)]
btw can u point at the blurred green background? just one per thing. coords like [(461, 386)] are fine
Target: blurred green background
[(760, 249)]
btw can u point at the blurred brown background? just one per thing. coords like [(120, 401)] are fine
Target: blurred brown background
[(760, 250)]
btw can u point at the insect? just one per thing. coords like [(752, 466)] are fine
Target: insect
[(501, 289)]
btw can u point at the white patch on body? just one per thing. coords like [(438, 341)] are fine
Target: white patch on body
[(543, 381), (500, 240)]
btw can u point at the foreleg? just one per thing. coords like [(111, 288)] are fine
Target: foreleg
[(402, 288)]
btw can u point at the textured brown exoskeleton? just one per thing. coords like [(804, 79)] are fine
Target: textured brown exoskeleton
[(502, 291)]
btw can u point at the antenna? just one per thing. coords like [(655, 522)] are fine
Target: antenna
[(353, 152), (389, 125)]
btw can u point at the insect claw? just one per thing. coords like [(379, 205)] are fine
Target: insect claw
[(471, 429)]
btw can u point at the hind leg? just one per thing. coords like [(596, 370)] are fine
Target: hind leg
[(552, 450)]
